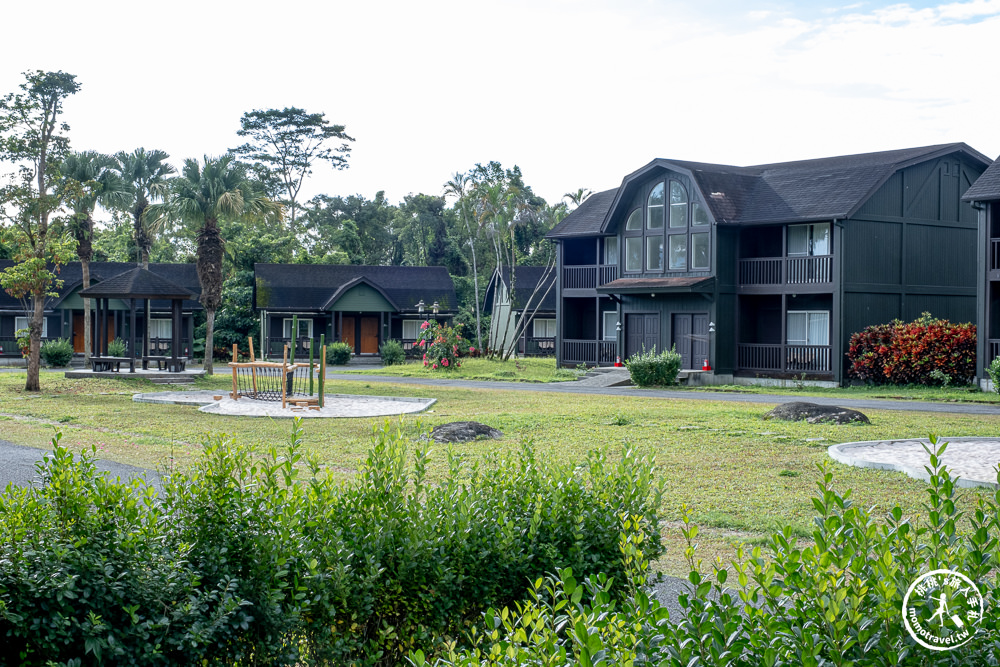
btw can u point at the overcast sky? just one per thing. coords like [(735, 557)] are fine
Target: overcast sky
[(578, 94)]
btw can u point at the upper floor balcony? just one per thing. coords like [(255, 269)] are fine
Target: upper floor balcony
[(994, 255), (806, 270), (588, 277)]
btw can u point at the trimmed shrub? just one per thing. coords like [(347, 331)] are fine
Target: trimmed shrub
[(57, 353), (836, 599), (116, 348), (926, 351), (994, 372), (649, 369), (338, 354), (392, 352), (238, 561)]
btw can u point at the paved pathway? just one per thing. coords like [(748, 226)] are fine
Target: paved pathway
[(973, 460), (337, 405), (17, 466), (585, 387)]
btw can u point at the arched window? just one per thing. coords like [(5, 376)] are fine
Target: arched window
[(654, 208), (676, 234), (678, 205)]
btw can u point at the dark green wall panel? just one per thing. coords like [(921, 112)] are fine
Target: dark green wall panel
[(872, 252), (954, 308), (944, 256), (862, 310)]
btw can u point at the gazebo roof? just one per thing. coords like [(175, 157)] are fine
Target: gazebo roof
[(138, 283)]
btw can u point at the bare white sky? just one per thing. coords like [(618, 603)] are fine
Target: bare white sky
[(578, 93)]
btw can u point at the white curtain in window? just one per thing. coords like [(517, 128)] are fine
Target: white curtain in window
[(798, 240), (819, 328), (411, 329), (797, 326)]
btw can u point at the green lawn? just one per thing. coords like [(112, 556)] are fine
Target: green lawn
[(516, 370), (742, 476)]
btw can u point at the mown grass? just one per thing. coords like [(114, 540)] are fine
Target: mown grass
[(740, 475), (530, 369)]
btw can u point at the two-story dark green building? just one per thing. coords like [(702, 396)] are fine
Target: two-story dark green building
[(984, 195), (766, 271)]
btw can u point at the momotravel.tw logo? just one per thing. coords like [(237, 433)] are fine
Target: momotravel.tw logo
[(942, 610)]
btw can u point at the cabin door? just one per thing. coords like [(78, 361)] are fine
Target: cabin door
[(690, 338), (347, 331), (78, 329), (361, 333), (369, 335), (642, 332)]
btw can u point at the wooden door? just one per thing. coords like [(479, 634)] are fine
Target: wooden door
[(78, 333), (78, 329), (690, 338), (681, 337), (642, 332), (347, 332), (369, 335)]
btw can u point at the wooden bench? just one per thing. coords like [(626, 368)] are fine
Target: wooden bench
[(107, 364), (164, 362)]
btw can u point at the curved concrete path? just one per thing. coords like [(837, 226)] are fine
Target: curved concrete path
[(973, 460)]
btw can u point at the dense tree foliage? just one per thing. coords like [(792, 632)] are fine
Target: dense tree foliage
[(135, 207)]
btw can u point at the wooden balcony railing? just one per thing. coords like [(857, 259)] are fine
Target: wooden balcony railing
[(539, 347), (590, 352), (994, 254), (785, 358), (786, 270), (588, 277), (992, 350)]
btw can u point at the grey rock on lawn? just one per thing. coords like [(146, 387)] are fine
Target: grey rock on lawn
[(813, 413), (463, 432)]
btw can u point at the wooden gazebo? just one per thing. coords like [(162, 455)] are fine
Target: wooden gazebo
[(136, 284)]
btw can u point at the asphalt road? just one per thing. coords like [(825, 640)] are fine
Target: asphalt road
[(17, 466)]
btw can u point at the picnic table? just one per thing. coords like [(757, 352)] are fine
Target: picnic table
[(164, 362), (107, 364)]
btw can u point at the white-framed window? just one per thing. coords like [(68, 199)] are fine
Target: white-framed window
[(611, 251), (543, 328), (161, 328), (809, 240), (633, 253), (808, 327), (22, 323), (411, 329), (610, 318), (305, 328)]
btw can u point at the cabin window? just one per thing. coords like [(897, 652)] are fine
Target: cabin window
[(22, 323), (411, 329), (305, 328), (634, 220), (678, 205), (544, 328), (806, 240), (161, 328), (610, 325), (654, 208), (699, 251), (808, 327), (699, 216), (633, 253), (611, 250), (654, 253), (678, 252)]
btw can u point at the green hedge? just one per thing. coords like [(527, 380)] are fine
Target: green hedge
[(338, 354), (57, 353), (834, 599), (242, 561), (649, 369)]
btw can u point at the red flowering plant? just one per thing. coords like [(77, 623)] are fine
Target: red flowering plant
[(442, 345)]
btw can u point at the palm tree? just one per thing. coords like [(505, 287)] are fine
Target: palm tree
[(577, 198), (146, 173), (200, 197), (457, 186), (91, 178)]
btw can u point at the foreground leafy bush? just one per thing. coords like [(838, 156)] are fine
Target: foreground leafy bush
[(926, 351), (392, 352), (835, 600), (116, 348), (57, 353), (338, 354), (993, 370), (239, 562), (649, 369)]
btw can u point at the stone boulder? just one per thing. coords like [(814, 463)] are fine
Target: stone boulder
[(816, 414), (463, 432)]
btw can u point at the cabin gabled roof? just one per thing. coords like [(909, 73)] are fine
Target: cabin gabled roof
[(800, 191), (138, 283), (987, 186), (313, 287)]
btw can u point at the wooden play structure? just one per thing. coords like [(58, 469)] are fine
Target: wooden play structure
[(290, 383)]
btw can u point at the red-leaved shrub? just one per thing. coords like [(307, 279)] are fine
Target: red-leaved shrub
[(911, 352)]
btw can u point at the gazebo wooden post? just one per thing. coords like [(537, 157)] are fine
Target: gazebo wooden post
[(236, 391), (253, 369), (131, 335)]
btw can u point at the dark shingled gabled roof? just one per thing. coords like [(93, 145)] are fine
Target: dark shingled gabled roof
[(987, 186), (526, 278), (184, 276), (820, 189), (138, 283), (310, 287)]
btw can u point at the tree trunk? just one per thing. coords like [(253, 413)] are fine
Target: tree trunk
[(35, 347), (209, 339), (87, 342)]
